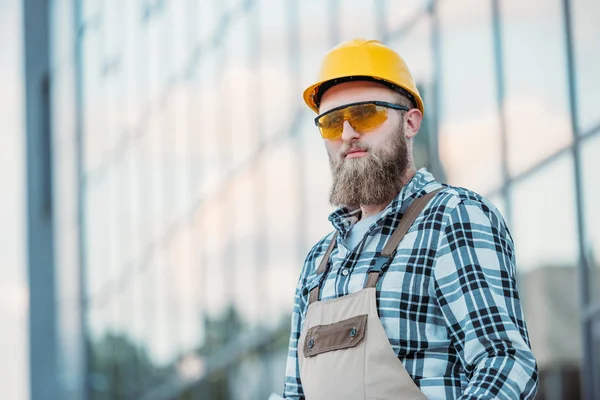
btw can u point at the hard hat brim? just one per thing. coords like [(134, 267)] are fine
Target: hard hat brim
[(311, 94)]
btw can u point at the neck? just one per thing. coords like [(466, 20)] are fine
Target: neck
[(368, 211), (372, 209)]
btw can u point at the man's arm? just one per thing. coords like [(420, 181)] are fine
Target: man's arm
[(292, 385), (474, 282)]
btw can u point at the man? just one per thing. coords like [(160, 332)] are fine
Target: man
[(413, 295)]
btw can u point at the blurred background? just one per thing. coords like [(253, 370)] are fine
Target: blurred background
[(163, 180)]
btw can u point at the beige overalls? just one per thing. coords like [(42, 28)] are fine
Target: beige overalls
[(343, 350)]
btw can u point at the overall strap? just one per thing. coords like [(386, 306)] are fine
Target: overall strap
[(389, 250), (314, 293)]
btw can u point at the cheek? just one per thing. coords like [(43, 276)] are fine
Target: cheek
[(379, 138), (333, 147)]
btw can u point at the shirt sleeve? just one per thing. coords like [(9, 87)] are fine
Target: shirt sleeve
[(292, 386), (474, 280)]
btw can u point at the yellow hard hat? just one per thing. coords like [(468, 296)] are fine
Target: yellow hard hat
[(361, 59)]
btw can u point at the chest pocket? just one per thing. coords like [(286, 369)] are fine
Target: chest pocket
[(337, 336)]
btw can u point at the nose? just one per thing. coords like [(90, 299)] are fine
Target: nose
[(348, 133)]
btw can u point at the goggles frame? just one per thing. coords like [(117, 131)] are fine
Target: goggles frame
[(374, 102)]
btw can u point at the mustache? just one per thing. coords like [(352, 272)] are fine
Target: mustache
[(353, 147)]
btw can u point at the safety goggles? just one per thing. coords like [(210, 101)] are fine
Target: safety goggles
[(363, 117)]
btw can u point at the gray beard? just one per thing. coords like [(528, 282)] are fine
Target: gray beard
[(370, 180)]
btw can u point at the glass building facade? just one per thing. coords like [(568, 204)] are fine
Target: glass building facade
[(14, 344), (183, 180)]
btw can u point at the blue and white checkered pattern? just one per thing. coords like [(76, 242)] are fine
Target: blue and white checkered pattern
[(448, 302)]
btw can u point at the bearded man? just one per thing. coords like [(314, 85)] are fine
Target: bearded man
[(414, 293)]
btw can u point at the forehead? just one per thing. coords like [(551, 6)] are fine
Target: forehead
[(352, 92)]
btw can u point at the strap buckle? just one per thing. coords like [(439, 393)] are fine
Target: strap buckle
[(382, 263)]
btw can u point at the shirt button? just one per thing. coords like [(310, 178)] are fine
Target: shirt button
[(345, 272), (311, 343)]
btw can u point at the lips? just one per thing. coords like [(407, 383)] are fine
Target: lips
[(354, 153)]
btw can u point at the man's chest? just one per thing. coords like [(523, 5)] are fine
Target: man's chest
[(406, 277), (405, 299)]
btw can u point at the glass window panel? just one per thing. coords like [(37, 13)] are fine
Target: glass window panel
[(129, 58), (237, 131), (124, 352), (590, 165), (282, 204), (356, 18), (248, 236), (170, 291), (544, 218), (97, 246), (138, 324), (62, 33), (162, 35), (586, 42), (154, 335), (101, 378), (400, 12), (179, 41), (173, 158), (317, 183), (182, 254), (91, 12), (315, 41), (65, 204), (94, 102), (119, 205), (155, 63), (102, 234), (208, 18), (207, 122), (143, 196), (135, 195), (468, 117), (162, 338), (537, 113), (140, 62), (180, 140), (500, 202), (199, 277), (114, 34), (415, 47), (173, 270), (215, 245), (14, 336), (108, 67), (544, 230), (161, 178), (275, 78)]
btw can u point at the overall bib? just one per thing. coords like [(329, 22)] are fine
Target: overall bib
[(343, 350)]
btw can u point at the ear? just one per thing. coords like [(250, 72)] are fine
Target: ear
[(412, 122)]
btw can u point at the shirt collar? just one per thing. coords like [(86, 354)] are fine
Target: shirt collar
[(343, 218)]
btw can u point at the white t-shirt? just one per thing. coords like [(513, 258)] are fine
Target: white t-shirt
[(359, 229)]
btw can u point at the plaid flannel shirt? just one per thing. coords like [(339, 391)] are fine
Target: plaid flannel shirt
[(448, 302)]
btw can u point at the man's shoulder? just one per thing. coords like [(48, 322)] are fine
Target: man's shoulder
[(468, 205), (452, 197), (319, 248), (312, 260)]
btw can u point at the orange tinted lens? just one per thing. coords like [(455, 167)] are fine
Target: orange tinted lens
[(362, 117), (331, 124), (365, 117)]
